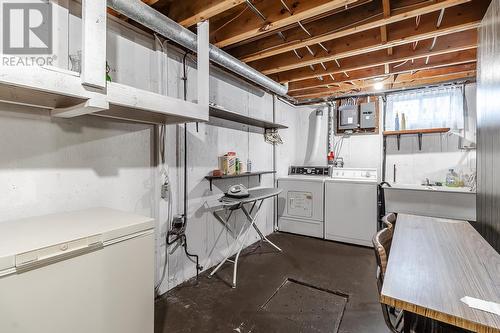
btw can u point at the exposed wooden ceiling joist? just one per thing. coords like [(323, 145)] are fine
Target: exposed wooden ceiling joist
[(390, 84), (435, 72), (188, 13), (457, 58), (396, 78), (458, 19), (277, 17), (435, 80), (386, 6), (336, 26), (460, 41)]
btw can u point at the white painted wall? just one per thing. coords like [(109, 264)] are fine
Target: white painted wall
[(52, 165), (300, 136), (363, 151), (439, 153), (206, 235)]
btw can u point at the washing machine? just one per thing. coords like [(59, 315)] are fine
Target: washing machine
[(351, 206), (301, 203)]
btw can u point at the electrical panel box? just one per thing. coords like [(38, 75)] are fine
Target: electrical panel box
[(368, 115), (348, 117)]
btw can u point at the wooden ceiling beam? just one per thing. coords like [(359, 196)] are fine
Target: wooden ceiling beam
[(336, 26), (452, 59), (190, 12), (398, 77), (249, 24), (460, 41), (435, 80), (435, 72), (457, 19), (386, 6), (368, 88)]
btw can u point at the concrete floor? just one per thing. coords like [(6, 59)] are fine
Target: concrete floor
[(213, 306)]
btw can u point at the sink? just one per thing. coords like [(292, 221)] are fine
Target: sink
[(437, 201)]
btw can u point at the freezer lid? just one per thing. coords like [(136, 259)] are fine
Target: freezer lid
[(43, 237)]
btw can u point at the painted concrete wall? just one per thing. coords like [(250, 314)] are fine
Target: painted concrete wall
[(52, 165), (299, 138), (439, 153), (57, 165)]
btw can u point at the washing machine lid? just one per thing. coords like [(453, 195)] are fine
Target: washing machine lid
[(43, 237)]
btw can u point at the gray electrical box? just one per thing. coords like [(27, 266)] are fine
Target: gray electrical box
[(348, 117), (367, 117)]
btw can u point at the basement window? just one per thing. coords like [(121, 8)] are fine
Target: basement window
[(426, 109)]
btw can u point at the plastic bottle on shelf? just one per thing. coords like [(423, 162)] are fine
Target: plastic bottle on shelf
[(403, 121), (396, 122), (452, 179)]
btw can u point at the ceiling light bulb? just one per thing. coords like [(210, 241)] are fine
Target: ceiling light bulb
[(378, 86)]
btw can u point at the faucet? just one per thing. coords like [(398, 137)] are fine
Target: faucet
[(427, 182)]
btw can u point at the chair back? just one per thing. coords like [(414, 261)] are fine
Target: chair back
[(382, 246), (389, 220)]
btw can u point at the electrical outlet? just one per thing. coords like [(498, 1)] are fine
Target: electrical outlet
[(177, 224)]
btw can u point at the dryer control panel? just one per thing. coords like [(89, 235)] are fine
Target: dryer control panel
[(309, 171), (354, 174)]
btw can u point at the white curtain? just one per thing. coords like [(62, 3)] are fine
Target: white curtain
[(429, 108)]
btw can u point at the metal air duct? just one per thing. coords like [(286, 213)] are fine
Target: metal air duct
[(156, 21)]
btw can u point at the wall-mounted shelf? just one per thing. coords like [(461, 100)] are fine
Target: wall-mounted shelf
[(221, 113), (244, 174), (418, 132), (63, 93)]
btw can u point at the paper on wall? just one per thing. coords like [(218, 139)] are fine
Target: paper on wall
[(480, 304)]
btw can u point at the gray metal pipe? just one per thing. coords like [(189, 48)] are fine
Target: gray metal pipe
[(168, 28)]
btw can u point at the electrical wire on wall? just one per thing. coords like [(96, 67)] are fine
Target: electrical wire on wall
[(177, 232), (165, 195)]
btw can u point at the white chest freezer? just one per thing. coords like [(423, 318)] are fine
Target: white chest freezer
[(79, 272)]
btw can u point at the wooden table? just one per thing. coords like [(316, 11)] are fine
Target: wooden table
[(435, 262)]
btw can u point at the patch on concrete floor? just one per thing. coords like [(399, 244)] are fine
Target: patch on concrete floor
[(305, 308)]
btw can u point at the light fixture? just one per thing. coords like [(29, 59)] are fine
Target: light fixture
[(378, 86)]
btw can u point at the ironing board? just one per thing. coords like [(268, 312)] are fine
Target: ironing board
[(255, 199)]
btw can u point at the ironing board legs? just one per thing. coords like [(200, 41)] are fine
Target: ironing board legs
[(262, 237), (241, 239)]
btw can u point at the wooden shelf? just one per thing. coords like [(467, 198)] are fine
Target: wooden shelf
[(418, 132), (221, 113), (244, 174)]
